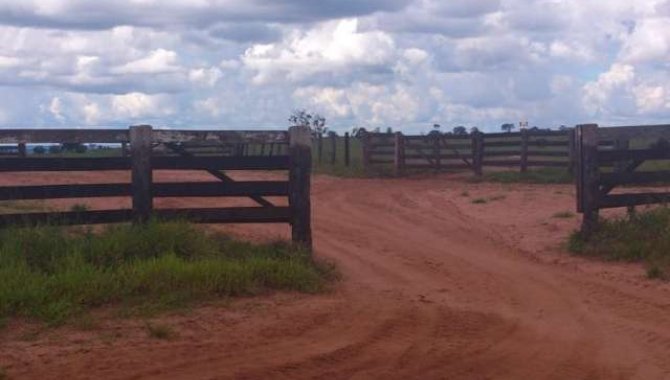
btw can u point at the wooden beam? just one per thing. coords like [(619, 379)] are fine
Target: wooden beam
[(141, 172), (300, 184)]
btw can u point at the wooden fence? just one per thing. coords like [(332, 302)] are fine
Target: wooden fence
[(475, 151), (600, 171), (151, 149)]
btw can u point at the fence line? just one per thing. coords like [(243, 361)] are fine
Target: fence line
[(469, 151), (142, 157)]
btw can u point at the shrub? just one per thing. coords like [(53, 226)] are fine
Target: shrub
[(637, 237)]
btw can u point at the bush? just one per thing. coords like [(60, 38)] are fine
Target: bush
[(638, 237), (39, 149), (52, 274)]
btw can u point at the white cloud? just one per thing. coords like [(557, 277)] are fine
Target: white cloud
[(158, 61), (134, 105), (331, 47)]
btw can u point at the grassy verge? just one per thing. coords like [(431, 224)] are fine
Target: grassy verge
[(53, 274), (641, 237), (539, 176)]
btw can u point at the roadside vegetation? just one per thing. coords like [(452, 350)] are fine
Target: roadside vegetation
[(54, 274), (640, 237)]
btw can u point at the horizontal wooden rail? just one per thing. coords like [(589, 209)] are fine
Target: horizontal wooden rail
[(548, 153), (441, 166), (169, 189), (634, 178), (541, 143), (633, 154), (498, 153), (625, 200), (549, 164), (157, 162)]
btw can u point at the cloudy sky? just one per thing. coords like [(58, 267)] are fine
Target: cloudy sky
[(401, 63)]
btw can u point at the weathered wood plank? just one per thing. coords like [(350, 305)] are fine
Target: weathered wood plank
[(635, 199), (221, 163), (141, 172), (65, 218), (300, 184), (632, 132), (633, 154), (610, 180), (31, 164), (219, 189)]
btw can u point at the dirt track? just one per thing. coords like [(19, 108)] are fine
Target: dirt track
[(434, 287)]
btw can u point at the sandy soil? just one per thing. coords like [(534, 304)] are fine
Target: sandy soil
[(434, 287)]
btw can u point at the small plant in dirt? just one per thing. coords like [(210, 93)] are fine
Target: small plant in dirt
[(3, 374), (497, 198), (479, 201), (643, 237), (54, 274), (79, 207), (564, 215), (160, 331), (465, 194)]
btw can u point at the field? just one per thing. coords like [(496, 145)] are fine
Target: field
[(441, 278)]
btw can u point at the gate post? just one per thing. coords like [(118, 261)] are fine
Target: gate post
[(477, 152), (365, 144), (587, 176), (399, 156), (346, 149), (141, 137), (300, 153), (524, 150)]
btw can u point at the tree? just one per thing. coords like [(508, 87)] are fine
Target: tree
[(507, 127), (389, 130), (39, 149), (73, 147), (460, 130), (474, 130), (315, 122), (54, 149)]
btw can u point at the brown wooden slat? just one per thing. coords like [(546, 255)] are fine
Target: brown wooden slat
[(64, 191), (541, 143), (63, 164), (501, 143), (221, 163), (633, 154), (548, 153), (501, 162), (442, 166), (633, 178), (228, 215), (549, 164), (219, 189), (498, 153), (632, 132), (624, 200)]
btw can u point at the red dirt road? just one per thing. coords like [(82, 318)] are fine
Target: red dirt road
[(434, 287)]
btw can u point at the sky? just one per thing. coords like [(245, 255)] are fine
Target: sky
[(405, 64)]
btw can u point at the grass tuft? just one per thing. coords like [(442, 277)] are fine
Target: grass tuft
[(479, 201), (641, 237), (54, 274), (159, 331), (564, 215)]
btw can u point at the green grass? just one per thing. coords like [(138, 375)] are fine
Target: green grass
[(53, 274), (641, 237), (539, 176), (564, 215)]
